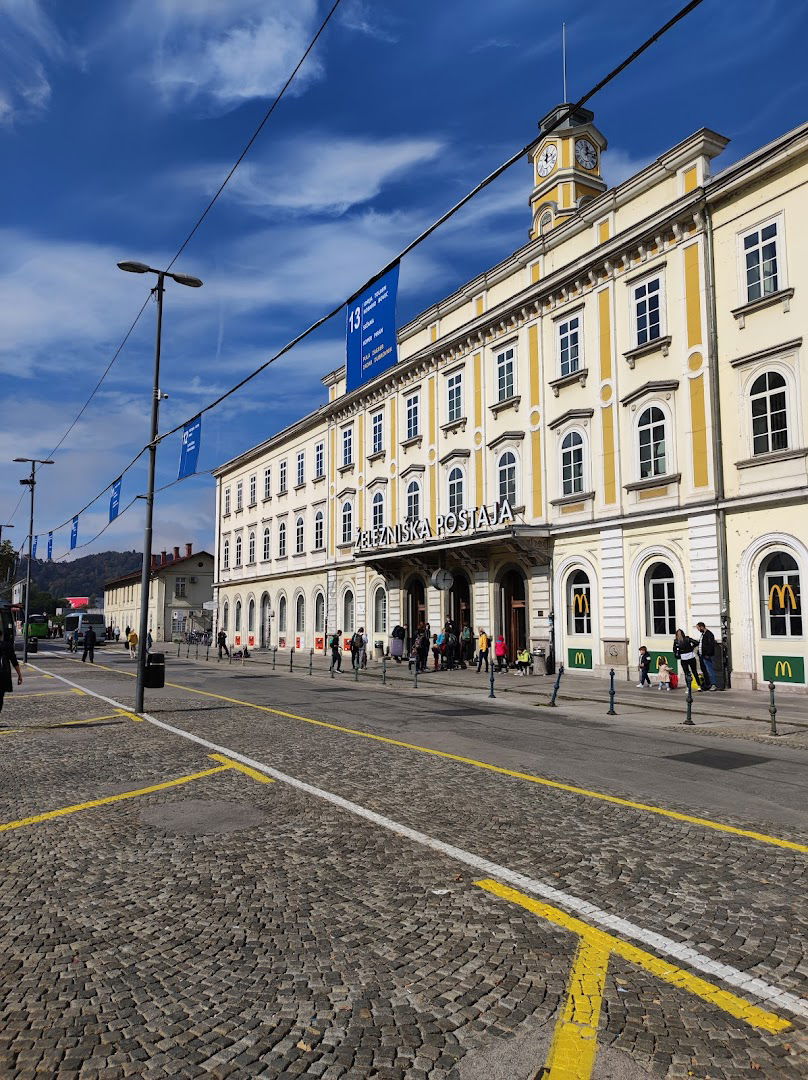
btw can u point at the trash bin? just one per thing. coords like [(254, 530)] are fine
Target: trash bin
[(33, 644), (154, 676), (378, 650)]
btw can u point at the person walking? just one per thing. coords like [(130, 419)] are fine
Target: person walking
[(90, 641), (221, 644), (363, 656), (149, 641), (501, 654), (117, 634), (684, 649), (8, 660), (706, 651), (483, 645), (644, 666), (466, 647), (336, 655), (132, 639), (451, 645), (356, 648)]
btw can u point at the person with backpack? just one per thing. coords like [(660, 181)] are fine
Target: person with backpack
[(483, 645), (356, 648), (397, 637), (466, 646), (336, 654), (501, 654), (684, 649)]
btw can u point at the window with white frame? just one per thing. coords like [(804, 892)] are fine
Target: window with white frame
[(454, 396), (651, 435), (253, 490), (299, 536), (347, 446), (238, 551), (282, 615), (660, 600), (413, 407), (282, 483), (267, 548), (413, 500), (572, 463), (780, 603), (377, 432), (579, 613), (267, 483), (300, 614), (301, 467), (226, 555), (456, 493), (319, 536), (348, 610), (380, 610), (506, 477), (505, 364), (239, 495), (569, 345), (319, 460), (251, 616), (180, 587), (378, 510), (648, 310), (251, 548), (769, 400), (761, 261), (319, 613), (227, 500), (282, 540), (238, 615), (225, 615), (347, 522)]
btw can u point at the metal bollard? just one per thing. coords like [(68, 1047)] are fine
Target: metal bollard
[(611, 711), (291, 658), (689, 702), (384, 671), (311, 659), (207, 652), (356, 674), (188, 651), (197, 650), (772, 710), (557, 685), (230, 655), (491, 682), (331, 669), (415, 679), (274, 655)]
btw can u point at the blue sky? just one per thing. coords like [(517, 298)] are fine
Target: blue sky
[(119, 119)]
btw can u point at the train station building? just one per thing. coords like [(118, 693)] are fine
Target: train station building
[(596, 441)]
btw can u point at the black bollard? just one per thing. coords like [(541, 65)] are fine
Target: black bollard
[(274, 655), (611, 711), (311, 659), (415, 679), (197, 650), (772, 710), (384, 671), (356, 674), (230, 655), (291, 658), (557, 685), (188, 651), (207, 652), (491, 682), (689, 702), (179, 646)]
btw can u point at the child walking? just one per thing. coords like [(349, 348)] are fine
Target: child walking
[(643, 666)]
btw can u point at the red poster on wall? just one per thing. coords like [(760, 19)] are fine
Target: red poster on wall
[(319, 643), (282, 643), (237, 639), (298, 642), (346, 644), (251, 640)]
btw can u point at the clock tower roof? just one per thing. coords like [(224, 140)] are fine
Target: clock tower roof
[(576, 119)]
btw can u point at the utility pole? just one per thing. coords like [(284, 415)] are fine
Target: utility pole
[(29, 482)]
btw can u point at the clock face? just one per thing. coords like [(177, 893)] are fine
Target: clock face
[(586, 154), (547, 161)]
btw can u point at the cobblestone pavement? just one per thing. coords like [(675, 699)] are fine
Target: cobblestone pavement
[(225, 926)]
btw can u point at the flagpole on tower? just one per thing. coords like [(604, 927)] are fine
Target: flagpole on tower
[(564, 57)]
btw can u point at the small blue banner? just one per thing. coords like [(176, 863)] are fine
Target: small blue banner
[(191, 438), (115, 499), (74, 532), (33, 548), (50, 546), (370, 331)]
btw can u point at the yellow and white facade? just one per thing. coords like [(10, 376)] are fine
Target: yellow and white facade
[(602, 438)]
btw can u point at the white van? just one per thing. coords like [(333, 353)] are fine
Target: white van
[(81, 620)]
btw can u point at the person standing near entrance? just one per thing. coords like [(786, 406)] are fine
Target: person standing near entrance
[(466, 646), (501, 653), (684, 648), (336, 655), (706, 651), (90, 640), (482, 649)]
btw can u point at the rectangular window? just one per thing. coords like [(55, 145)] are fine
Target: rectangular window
[(239, 495), (506, 381), (252, 491), (179, 586), (569, 342), (761, 261), (647, 310), (319, 460), (347, 446), (781, 599), (267, 483), (454, 396), (413, 406), (301, 467), (227, 500), (282, 478), (377, 430)]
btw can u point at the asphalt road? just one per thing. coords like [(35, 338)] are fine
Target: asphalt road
[(630, 904)]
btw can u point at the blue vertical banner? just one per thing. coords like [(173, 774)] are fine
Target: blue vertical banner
[(115, 499), (50, 546), (191, 438), (371, 344), (33, 548), (74, 532)]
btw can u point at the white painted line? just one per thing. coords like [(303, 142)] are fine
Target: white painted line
[(622, 927)]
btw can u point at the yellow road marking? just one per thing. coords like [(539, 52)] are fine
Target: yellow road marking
[(575, 1040), (49, 693), (73, 723), (663, 969), (37, 818), (262, 778), (707, 823), (12, 731)]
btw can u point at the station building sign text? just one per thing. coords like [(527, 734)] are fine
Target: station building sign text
[(469, 520)]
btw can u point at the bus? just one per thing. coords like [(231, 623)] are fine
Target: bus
[(38, 626), (81, 621)]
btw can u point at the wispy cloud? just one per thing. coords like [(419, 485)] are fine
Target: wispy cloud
[(28, 39), (366, 19)]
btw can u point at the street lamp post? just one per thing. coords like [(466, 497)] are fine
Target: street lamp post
[(29, 482), (194, 283)]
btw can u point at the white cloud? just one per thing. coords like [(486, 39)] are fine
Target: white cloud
[(620, 165), (27, 38)]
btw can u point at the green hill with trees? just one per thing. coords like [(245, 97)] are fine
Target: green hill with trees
[(52, 581)]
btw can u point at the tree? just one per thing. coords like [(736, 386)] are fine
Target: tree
[(8, 558)]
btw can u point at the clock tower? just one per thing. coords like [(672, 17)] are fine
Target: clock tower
[(566, 168)]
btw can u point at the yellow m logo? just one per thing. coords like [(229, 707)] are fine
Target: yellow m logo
[(781, 591), (783, 668), (580, 602), (580, 658), (660, 660)]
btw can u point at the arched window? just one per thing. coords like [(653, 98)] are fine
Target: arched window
[(769, 413), (319, 613), (413, 500), (225, 615), (282, 540), (380, 610), (456, 499), (660, 600), (251, 548), (251, 616), (226, 555), (267, 549), (348, 611), (299, 536), (300, 614), (651, 431), (780, 602), (347, 522), (546, 221), (572, 464), (238, 551), (282, 615), (319, 538), (506, 475), (378, 510), (579, 603), (238, 616)]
